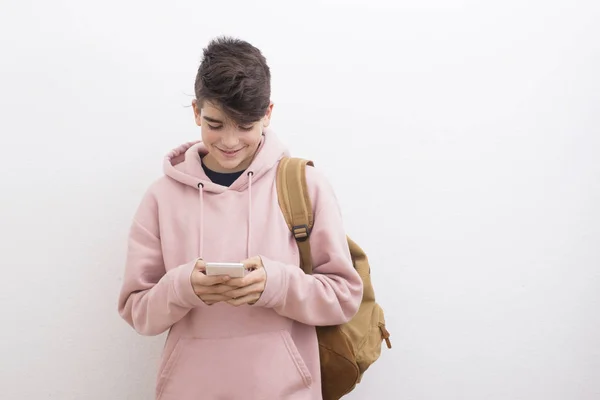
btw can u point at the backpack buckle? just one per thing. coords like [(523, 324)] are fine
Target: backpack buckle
[(301, 232)]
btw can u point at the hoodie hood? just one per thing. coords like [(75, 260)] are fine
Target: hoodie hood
[(183, 164)]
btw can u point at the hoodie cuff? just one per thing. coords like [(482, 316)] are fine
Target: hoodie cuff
[(182, 285), (275, 285)]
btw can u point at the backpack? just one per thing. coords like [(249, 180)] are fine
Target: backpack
[(347, 350)]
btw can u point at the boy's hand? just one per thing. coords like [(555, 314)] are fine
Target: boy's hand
[(247, 290), (209, 289)]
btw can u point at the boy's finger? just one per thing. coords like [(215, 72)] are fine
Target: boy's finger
[(252, 277), (206, 280), (215, 297), (245, 291), (252, 262)]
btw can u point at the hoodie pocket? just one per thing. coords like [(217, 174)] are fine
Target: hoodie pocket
[(259, 366)]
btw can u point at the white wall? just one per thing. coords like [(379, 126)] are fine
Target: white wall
[(467, 132)]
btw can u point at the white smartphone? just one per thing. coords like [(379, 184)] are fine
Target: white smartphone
[(234, 270)]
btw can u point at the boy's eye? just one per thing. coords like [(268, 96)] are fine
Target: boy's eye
[(217, 127)]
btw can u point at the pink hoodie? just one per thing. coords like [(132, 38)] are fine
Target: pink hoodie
[(267, 350)]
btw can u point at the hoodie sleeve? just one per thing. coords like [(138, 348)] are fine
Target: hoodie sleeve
[(332, 294), (151, 299)]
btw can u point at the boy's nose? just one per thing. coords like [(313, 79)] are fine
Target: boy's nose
[(230, 140)]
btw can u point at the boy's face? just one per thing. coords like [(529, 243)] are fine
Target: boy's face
[(231, 147)]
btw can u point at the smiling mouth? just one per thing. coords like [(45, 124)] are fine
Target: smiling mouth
[(229, 153)]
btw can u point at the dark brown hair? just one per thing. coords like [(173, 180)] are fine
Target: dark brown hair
[(234, 75)]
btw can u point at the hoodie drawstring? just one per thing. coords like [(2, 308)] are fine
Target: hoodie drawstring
[(201, 233), (249, 244), (249, 228)]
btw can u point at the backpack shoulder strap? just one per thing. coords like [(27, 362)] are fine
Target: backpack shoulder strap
[(295, 204)]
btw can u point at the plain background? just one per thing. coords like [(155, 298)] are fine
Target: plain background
[(462, 139)]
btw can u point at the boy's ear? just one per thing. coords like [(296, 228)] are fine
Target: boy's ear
[(197, 112), (266, 120)]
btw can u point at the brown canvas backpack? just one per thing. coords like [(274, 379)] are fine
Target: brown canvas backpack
[(346, 351)]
